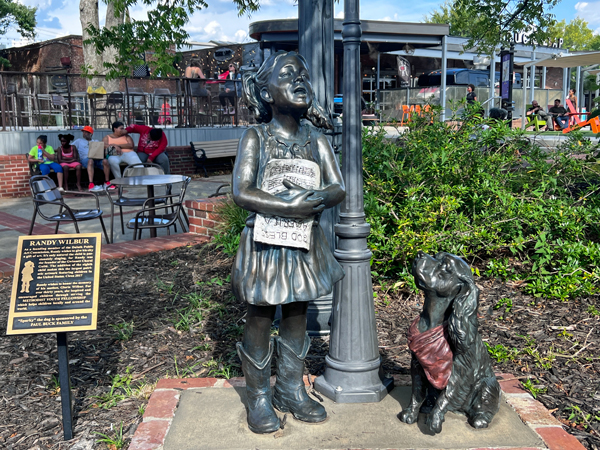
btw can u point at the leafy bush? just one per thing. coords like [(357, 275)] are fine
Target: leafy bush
[(488, 194), (233, 221)]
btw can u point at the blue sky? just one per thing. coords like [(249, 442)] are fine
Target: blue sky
[(220, 20)]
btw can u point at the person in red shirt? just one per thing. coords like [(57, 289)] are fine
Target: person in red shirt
[(151, 146)]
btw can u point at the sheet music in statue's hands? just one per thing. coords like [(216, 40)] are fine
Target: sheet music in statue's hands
[(283, 231)]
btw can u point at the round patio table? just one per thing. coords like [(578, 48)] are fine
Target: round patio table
[(149, 181)]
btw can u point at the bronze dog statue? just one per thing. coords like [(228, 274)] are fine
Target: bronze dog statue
[(450, 366)]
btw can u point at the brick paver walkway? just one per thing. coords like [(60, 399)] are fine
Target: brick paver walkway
[(110, 251)]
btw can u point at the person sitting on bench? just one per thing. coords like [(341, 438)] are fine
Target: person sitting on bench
[(122, 145), (559, 113), (83, 145), (152, 145), (44, 155)]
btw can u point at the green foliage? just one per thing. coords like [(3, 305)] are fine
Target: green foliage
[(14, 14), (486, 193), (498, 268), (500, 353), (530, 349), (580, 418), (191, 315), (120, 389), (506, 303), (576, 34), (53, 385), (593, 310), (189, 371), (233, 221), (199, 303), (448, 13), (490, 24), (115, 441), (123, 330), (533, 389), (219, 368), (159, 35), (169, 286)]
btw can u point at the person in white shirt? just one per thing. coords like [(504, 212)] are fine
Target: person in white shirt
[(83, 146)]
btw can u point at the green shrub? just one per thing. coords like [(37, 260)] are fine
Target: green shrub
[(233, 221), (485, 194)]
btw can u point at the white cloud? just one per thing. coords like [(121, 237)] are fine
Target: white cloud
[(589, 11), (213, 28), (240, 35)]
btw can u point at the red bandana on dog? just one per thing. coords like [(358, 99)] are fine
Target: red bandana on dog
[(433, 352)]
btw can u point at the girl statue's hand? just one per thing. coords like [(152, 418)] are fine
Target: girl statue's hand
[(302, 201)]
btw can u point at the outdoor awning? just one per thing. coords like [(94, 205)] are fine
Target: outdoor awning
[(558, 60)]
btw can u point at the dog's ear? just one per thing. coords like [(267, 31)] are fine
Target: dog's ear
[(463, 320)]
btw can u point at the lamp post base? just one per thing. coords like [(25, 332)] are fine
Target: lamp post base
[(354, 383)]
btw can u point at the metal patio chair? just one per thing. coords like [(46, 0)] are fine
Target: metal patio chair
[(148, 218), (135, 170), (49, 203)]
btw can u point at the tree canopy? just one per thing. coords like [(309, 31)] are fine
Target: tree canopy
[(16, 15), (492, 23), (576, 34), (21, 17), (158, 36)]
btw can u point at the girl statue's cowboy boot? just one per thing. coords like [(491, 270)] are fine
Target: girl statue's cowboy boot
[(290, 393), (261, 415)]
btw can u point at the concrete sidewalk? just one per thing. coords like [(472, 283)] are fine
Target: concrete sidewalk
[(209, 413)]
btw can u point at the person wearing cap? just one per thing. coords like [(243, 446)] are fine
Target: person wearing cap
[(152, 145), (83, 146)]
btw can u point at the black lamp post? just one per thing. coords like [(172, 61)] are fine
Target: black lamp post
[(353, 366)]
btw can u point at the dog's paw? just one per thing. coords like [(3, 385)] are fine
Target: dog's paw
[(434, 422), (479, 421), (408, 416)]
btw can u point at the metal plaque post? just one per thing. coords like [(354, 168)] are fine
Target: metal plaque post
[(353, 371), (64, 379)]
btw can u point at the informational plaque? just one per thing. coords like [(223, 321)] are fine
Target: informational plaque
[(283, 231), (55, 286)]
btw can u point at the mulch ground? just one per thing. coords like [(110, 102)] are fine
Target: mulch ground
[(551, 346)]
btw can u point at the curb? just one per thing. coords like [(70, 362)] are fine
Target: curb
[(152, 431), (127, 249)]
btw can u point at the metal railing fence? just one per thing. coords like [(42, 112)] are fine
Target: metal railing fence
[(392, 101), (32, 100)]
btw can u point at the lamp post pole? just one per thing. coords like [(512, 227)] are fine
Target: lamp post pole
[(353, 371), (315, 42)]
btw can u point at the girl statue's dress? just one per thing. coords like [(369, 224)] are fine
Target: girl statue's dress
[(265, 274)]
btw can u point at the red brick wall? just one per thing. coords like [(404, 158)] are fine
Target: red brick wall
[(203, 219), (182, 161), (14, 176)]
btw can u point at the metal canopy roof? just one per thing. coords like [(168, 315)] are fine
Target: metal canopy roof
[(558, 60), (381, 36)]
